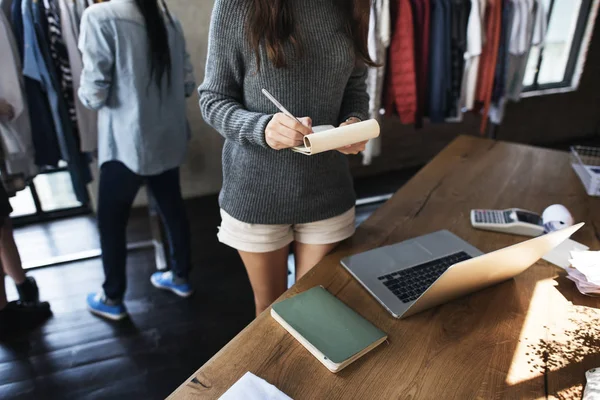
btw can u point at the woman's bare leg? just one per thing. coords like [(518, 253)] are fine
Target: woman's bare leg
[(268, 275)]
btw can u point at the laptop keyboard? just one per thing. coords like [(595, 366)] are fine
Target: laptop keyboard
[(409, 284)]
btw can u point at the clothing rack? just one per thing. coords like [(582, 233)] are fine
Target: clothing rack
[(468, 56), (39, 49)]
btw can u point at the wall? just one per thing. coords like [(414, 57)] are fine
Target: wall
[(539, 120)]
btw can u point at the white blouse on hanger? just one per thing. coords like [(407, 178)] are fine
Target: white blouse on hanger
[(475, 43), (17, 143)]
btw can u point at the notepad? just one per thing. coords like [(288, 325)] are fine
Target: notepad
[(335, 138), (330, 330)]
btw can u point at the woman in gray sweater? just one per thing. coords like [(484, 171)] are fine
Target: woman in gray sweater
[(312, 56)]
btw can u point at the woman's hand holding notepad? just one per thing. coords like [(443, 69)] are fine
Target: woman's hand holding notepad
[(337, 138)]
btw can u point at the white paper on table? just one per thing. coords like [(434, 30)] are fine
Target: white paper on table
[(585, 257), (588, 263), (592, 389), (561, 255), (251, 387), (336, 138)]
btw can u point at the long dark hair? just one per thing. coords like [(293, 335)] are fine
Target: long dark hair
[(158, 38), (272, 22)]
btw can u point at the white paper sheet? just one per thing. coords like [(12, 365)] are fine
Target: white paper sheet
[(251, 387)]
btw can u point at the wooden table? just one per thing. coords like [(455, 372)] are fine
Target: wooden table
[(527, 338)]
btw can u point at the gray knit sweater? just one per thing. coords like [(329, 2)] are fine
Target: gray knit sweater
[(327, 83)]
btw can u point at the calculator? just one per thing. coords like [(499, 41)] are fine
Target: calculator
[(514, 221)]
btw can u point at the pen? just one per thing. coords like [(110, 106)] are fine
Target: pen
[(279, 106)]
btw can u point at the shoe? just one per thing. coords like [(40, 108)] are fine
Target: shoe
[(28, 291), (166, 281), (97, 305), (18, 317)]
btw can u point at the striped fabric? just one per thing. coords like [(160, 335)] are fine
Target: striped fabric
[(60, 56)]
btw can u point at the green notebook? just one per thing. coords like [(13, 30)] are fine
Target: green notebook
[(334, 333)]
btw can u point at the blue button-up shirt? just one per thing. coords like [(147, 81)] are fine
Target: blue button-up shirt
[(139, 124)]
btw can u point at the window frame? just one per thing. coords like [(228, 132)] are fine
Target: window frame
[(577, 54)]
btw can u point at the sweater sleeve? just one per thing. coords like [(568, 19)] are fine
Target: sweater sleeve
[(221, 93), (356, 99)]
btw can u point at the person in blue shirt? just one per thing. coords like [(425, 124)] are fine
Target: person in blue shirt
[(137, 74)]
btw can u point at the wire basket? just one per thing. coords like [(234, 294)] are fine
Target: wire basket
[(586, 163)]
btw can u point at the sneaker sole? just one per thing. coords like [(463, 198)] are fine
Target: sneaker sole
[(179, 293), (106, 315)]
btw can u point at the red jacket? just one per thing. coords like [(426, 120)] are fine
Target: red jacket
[(489, 56), (401, 93)]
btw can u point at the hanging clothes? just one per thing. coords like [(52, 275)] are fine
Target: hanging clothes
[(378, 41), (43, 132), (6, 6), (500, 75), (532, 33), (87, 119), (421, 17), (38, 65), (440, 63), (461, 10), (60, 57), (475, 40), (36, 62), (527, 28), (15, 134), (489, 58), (79, 6), (401, 95)]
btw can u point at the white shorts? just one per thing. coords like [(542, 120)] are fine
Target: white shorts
[(257, 238)]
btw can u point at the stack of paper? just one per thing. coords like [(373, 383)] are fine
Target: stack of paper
[(585, 271)]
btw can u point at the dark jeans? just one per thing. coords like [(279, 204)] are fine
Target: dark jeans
[(118, 188)]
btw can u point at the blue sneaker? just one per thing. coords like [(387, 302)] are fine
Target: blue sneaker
[(166, 281), (97, 306)]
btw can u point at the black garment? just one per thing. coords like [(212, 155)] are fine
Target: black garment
[(503, 56), (420, 10), (440, 63), (5, 207), (118, 188), (43, 132), (460, 19)]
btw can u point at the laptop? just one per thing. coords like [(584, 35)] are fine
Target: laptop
[(415, 275)]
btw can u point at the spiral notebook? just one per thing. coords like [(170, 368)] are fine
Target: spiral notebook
[(330, 330), (327, 138)]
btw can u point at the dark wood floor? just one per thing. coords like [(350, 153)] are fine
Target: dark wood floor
[(78, 356), (71, 237)]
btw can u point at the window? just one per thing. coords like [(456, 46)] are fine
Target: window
[(557, 66), (50, 195)]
